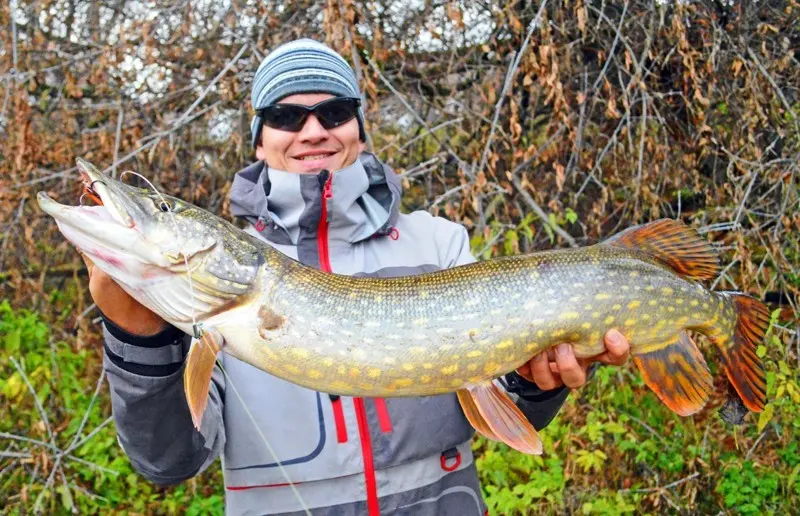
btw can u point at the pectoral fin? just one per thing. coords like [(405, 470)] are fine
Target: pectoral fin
[(197, 373), (494, 415)]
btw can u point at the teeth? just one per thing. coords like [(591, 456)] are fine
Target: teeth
[(318, 156)]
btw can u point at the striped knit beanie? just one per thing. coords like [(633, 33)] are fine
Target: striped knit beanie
[(302, 66)]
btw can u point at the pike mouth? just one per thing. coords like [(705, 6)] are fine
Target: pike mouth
[(95, 187)]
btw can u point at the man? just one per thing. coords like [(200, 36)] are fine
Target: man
[(316, 196)]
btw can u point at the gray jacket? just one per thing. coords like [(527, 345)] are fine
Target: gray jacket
[(344, 455)]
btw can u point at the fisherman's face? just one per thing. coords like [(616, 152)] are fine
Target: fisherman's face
[(313, 148)]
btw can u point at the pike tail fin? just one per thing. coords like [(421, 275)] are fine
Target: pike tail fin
[(677, 372), (674, 244), (494, 415), (197, 373), (742, 365)]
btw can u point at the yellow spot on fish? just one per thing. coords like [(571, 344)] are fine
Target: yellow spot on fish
[(670, 309), (602, 296), (472, 367), (505, 344), (634, 304), (407, 367), (427, 365), (416, 350), (492, 368), (402, 382), (449, 369), (540, 333), (327, 361), (314, 374), (293, 369), (667, 291), (679, 301), (425, 379), (610, 319), (534, 275), (378, 299), (569, 315), (374, 373), (558, 333), (630, 322), (649, 288), (475, 353), (616, 307), (586, 325), (300, 353), (705, 305), (652, 302), (646, 317), (595, 315), (355, 372), (455, 383), (531, 347), (694, 302), (633, 274), (525, 334), (595, 336)]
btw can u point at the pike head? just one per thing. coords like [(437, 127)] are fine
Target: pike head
[(179, 260)]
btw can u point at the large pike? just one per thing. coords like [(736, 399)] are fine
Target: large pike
[(450, 331)]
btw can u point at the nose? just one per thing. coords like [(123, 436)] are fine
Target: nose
[(312, 131)]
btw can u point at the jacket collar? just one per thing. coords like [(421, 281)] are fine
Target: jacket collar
[(365, 201)]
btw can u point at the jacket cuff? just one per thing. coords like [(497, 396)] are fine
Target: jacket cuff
[(528, 390), (161, 354)]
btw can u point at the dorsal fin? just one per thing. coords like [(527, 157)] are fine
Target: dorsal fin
[(674, 244)]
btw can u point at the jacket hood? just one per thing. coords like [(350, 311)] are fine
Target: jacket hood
[(286, 208)]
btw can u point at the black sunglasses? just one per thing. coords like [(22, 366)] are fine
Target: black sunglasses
[(291, 117)]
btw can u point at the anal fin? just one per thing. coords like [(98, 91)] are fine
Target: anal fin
[(677, 372), (494, 415), (198, 370)]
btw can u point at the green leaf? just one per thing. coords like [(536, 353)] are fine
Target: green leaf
[(571, 216), (761, 351), (765, 416), (13, 340)]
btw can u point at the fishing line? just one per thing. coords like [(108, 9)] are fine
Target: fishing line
[(198, 332)]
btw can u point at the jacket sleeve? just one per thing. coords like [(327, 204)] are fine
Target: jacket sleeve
[(154, 427), (540, 407)]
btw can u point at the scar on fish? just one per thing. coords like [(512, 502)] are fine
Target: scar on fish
[(268, 321)]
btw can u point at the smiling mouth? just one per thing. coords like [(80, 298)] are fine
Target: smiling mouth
[(315, 156)]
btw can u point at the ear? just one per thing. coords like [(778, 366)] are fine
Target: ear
[(261, 154), (362, 147)]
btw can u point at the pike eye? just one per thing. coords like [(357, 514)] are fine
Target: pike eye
[(164, 206)]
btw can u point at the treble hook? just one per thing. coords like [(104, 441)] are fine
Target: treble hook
[(80, 200)]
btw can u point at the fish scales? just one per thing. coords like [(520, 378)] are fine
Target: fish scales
[(429, 334)]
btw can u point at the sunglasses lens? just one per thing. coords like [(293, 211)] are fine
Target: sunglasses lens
[(291, 117), (336, 112), (285, 117)]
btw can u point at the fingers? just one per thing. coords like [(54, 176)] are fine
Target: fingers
[(572, 373), (541, 373), (617, 348)]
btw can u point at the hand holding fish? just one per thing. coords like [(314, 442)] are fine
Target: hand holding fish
[(559, 366), (118, 306)]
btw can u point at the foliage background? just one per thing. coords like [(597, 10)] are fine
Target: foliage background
[(533, 135)]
